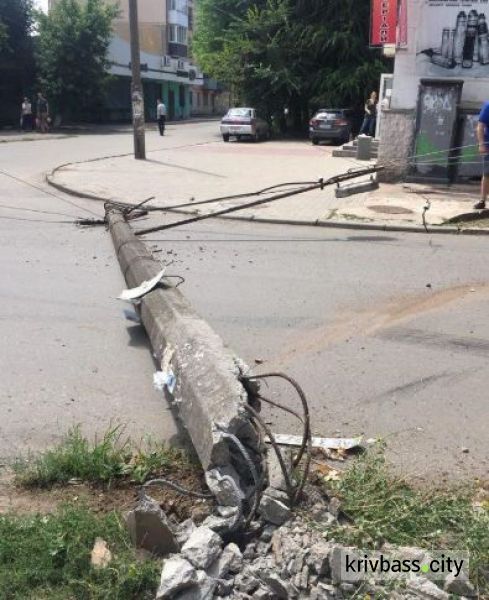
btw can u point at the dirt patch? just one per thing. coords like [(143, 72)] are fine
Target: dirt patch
[(103, 499), (390, 210), (368, 322)]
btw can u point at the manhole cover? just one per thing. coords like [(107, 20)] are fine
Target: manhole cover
[(390, 210)]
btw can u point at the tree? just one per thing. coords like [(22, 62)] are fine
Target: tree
[(16, 57), (72, 56), (294, 53)]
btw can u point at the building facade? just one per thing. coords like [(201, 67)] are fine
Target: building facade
[(167, 69), (441, 78)]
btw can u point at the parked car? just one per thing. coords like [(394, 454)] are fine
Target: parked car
[(331, 124), (244, 122)]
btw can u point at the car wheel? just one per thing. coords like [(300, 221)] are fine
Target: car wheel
[(314, 141), (225, 137)]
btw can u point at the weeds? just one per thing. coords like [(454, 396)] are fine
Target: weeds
[(106, 461), (48, 557), (384, 508)]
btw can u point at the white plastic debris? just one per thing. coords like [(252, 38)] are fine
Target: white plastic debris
[(317, 442), (138, 292), (164, 379)]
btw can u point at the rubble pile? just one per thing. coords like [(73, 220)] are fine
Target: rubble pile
[(292, 560)]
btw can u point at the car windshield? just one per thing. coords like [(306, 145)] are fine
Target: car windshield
[(240, 112)]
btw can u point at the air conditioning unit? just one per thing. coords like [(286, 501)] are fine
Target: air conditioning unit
[(181, 65), (166, 61)]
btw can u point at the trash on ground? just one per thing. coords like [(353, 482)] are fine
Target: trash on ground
[(138, 292), (164, 379), (101, 555), (317, 442), (131, 315)]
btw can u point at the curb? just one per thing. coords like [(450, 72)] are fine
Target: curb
[(357, 225)]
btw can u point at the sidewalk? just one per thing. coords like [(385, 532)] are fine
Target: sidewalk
[(201, 171)]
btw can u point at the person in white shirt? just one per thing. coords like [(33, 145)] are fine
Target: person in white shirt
[(26, 120), (161, 116)]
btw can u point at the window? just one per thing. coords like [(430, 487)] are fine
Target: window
[(178, 34), (179, 5)]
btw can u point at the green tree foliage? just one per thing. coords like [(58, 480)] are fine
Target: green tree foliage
[(296, 53), (16, 56), (72, 56)]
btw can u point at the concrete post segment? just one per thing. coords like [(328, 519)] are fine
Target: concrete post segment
[(208, 394)]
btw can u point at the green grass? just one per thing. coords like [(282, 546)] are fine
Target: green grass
[(106, 461), (384, 508), (48, 557)]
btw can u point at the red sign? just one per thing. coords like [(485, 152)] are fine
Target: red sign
[(402, 30), (383, 22)]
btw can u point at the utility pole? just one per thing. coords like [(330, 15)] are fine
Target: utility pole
[(136, 86)]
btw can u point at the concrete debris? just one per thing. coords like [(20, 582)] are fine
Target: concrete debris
[(229, 519), (101, 555), (274, 508), (224, 483), (177, 575), (202, 548), (202, 590), (277, 586), (459, 585), (426, 589), (276, 477), (149, 528), (184, 530)]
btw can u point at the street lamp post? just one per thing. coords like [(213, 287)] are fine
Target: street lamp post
[(136, 86)]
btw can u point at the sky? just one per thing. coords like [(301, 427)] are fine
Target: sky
[(43, 4)]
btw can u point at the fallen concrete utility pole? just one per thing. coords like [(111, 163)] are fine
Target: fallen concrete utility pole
[(207, 391)]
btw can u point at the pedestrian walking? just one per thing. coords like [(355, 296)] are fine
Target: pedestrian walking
[(161, 116), (26, 118), (370, 119), (42, 113), (483, 139)]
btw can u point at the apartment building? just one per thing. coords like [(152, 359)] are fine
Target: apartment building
[(167, 70)]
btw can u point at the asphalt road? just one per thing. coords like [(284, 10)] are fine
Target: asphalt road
[(388, 334)]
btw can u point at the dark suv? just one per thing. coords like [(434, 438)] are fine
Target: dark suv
[(331, 124)]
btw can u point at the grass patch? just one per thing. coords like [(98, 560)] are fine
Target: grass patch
[(105, 461), (48, 557), (384, 508)]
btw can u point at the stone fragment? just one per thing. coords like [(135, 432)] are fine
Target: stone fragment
[(224, 587), (202, 548), (334, 506), (221, 524), (184, 530), (250, 551), (223, 482), (246, 583), (318, 559), (426, 589), (203, 590), (304, 583), (276, 477), (460, 585), (277, 586), (336, 557), (149, 528), (178, 574), (349, 588), (266, 535), (230, 561), (261, 594), (262, 548), (274, 510)]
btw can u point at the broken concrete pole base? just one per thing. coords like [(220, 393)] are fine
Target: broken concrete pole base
[(149, 528)]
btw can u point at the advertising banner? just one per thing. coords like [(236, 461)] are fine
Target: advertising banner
[(402, 25), (453, 39), (383, 22)]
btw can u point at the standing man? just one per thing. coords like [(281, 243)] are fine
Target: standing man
[(483, 139), (42, 113), (161, 116), (26, 120), (370, 119)]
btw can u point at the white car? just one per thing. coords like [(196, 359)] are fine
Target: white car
[(244, 122)]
